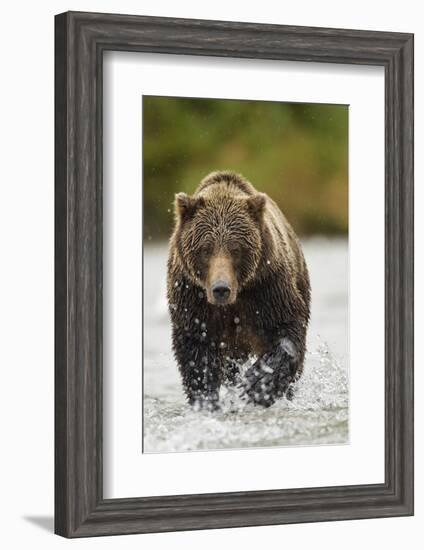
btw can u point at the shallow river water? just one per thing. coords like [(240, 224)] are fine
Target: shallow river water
[(318, 413)]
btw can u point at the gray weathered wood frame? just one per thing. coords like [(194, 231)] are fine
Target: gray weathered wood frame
[(80, 40)]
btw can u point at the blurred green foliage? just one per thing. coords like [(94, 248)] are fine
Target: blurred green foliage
[(297, 153)]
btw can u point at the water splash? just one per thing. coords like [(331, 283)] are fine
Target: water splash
[(318, 414)]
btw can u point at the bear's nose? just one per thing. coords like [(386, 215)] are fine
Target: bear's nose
[(221, 291)]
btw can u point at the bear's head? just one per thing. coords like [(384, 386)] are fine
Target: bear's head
[(219, 240)]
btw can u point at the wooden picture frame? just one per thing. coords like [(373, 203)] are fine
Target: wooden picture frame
[(80, 40)]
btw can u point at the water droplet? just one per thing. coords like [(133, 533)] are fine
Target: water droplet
[(236, 320)]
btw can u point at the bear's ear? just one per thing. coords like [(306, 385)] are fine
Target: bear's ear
[(186, 206), (256, 206)]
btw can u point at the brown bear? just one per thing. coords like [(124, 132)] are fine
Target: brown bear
[(238, 287)]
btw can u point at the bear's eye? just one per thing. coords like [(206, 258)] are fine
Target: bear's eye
[(206, 251), (235, 250)]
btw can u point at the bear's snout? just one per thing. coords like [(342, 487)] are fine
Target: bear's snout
[(221, 292), (221, 283)]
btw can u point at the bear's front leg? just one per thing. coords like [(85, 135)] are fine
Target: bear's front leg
[(271, 376), (200, 371)]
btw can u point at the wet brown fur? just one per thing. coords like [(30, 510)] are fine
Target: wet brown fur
[(227, 227)]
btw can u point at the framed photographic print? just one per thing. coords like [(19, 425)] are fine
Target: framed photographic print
[(234, 274)]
